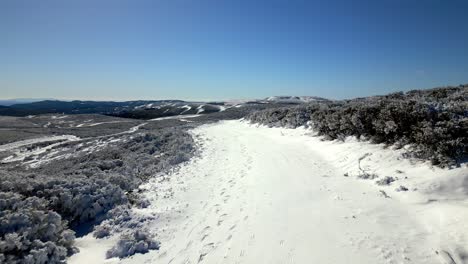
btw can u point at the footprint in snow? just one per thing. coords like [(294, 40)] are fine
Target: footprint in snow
[(221, 219), (206, 249), (188, 244), (205, 230), (251, 239)]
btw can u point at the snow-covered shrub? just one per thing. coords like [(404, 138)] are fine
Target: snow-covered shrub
[(401, 188), (119, 220), (37, 210), (30, 233), (102, 231), (434, 122), (142, 203), (136, 242), (367, 176), (131, 160), (387, 180), (86, 187), (77, 200)]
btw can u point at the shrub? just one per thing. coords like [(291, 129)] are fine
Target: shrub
[(387, 180), (434, 122), (30, 233), (39, 206), (137, 242), (77, 200)]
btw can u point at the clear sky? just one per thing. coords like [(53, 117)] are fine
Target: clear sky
[(225, 49)]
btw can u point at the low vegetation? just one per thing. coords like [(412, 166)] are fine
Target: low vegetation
[(41, 208), (434, 122)]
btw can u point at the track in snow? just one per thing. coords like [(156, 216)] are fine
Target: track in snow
[(261, 197)]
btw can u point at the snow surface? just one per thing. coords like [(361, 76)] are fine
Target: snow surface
[(100, 123), (88, 254), (59, 117), (272, 195), (26, 142), (40, 155), (174, 117), (200, 109), (187, 108), (222, 108)]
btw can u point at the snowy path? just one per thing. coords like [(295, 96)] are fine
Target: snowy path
[(258, 195)]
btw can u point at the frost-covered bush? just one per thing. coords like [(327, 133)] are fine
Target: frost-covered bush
[(367, 176), (401, 188), (136, 242), (119, 220), (433, 122), (387, 180), (30, 232), (130, 161), (40, 206), (77, 200)]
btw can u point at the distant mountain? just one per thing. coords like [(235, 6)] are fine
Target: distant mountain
[(8, 102), (143, 109), (153, 110), (295, 99), (85, 107), (130, 109)]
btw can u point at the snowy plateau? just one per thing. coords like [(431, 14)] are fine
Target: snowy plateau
[(280, 180), (273, 195)]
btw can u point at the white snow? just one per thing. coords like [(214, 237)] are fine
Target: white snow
[(100, 123), (222, 108), (147, 106), (200, 109), (92, 252), (129, 131), (174, 117), (234, 102), (186, 107), (20, 153), (26, 142), (294, 99), (43, 154), (271, 195), (59, 117)]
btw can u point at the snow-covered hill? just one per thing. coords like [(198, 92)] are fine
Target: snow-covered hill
[(132, 109), (295, 99), (142, 109)]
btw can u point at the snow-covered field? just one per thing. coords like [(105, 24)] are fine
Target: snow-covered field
[(35, 156), (174, 117), (26, 142), (272, 195)]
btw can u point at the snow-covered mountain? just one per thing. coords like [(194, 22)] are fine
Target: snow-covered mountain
[(8, 102), (143, 109), (295, 99), (137, 109)]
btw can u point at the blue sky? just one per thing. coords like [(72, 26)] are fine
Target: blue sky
[(224, 49)]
